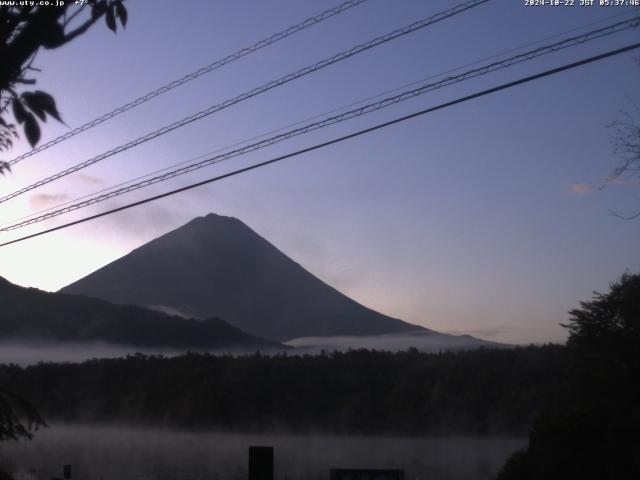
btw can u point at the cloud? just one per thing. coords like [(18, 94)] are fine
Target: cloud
[(169, 311), (489, 332), (492, 331), (581, 188), (46, 199), (90, 179)]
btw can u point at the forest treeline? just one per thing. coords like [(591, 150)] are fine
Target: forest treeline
[(484, 391)]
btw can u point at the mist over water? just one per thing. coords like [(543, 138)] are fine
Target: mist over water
[(110, 453), (29, 352), (25, 353), (425, 341)]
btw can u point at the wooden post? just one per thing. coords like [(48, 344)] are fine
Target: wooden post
[(260, 463)]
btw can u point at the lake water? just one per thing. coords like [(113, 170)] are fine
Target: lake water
[(100, 453)]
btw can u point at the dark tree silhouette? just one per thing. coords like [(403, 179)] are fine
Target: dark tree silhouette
[(18, 418), (478, 392), (595, 433), (610, 323), (24, 30)]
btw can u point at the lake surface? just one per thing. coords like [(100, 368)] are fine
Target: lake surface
[(100, 453)]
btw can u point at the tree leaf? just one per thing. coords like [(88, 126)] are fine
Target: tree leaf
[(4, 166), (52, 35), (111, 19), (47, 103), (19, 112), (31, 100), (97, 9), (122, 14), (31, 129)]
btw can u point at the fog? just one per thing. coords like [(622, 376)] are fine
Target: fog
[(425, 341), (30, 352), (26, 353), (105, 453)]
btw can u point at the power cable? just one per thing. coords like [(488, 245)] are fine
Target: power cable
[(492, 67), (252, 93), (320, 115), (193, 75), (379, 126)]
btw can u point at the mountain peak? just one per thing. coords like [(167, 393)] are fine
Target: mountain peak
[(211, 220), (217, 266), (212, 217)]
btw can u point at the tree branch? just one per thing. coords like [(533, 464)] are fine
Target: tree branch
[(630, 217), (80, 30), (70, 19)]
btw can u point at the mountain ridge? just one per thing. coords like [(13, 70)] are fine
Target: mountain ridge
[(32, 314)]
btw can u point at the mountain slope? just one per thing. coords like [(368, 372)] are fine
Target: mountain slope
[(28, 313), (216, 266)]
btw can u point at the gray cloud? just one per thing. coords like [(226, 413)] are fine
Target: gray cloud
[(492, 331), (488, 332), (90, 179), (47, 199), (170, 311)]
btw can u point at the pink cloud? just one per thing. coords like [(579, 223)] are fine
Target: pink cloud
[(581, 188), (90, 179), (44, 199)]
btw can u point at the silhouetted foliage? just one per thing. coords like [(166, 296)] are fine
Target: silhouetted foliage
[(610, 323), (24, 30), (18, 418), (596, 432), (410, 393)]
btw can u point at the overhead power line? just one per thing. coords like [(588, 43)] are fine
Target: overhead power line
[(379, 126), (256, 91), (316, 116), (372, 107), (311, 21)]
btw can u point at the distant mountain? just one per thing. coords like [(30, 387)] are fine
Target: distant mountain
[(216, 266), (31, 314)]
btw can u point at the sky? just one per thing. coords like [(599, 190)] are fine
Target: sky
[(486, 218)]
